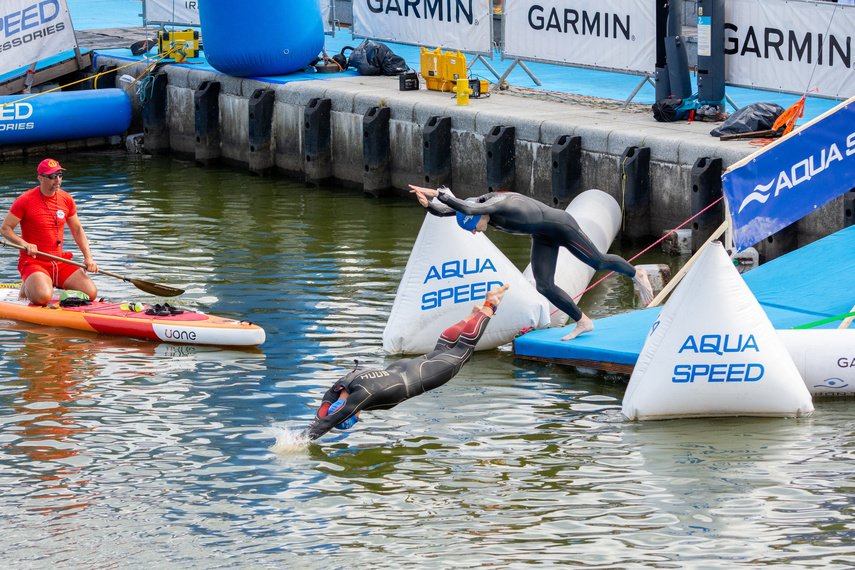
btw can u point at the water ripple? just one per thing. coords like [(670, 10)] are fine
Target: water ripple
[(122, 453)]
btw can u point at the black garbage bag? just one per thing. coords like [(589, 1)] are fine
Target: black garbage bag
[(374, 58), (748, 119)]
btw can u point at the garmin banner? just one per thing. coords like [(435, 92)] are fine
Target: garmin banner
[(186, 12), (790, 46), (181, 12), (461, 25), (608, 34), (771, 189), (32, 30)]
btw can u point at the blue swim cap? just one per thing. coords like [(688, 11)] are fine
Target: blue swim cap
[(346, 424), (468, 223)]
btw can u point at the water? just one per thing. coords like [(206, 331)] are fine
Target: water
[(118, 453)]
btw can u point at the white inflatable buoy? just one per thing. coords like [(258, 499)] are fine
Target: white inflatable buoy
[(825, 359), (598, 214), (449, 271), (714, 352)]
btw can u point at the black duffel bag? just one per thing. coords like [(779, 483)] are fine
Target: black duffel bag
[(374, 58)]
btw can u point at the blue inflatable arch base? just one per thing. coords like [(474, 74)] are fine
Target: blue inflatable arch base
[(261, 37)]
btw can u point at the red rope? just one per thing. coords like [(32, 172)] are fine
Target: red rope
[(646, 249)]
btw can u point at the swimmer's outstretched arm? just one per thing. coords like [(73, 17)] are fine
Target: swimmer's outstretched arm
[(425, 196), (480, 207), (324, 421)]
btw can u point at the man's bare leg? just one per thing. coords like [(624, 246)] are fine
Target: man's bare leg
[(583, 325), (38, 289), (79, 281), (644, 286)]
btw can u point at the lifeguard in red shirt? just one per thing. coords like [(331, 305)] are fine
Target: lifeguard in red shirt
[(43, 213)]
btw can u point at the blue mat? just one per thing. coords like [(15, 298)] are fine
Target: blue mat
[(810, 284)]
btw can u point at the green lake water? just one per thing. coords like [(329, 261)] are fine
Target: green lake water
[(120, 453)]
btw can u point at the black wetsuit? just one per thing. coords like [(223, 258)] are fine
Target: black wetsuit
[(401, 380), (549, 228)]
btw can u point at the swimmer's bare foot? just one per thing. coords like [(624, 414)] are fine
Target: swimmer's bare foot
[(495, 296), (583, 325), (644, 286)]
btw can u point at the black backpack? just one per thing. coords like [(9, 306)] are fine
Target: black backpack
[(672, 109)]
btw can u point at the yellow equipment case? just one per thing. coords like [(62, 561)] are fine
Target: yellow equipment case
[(442, 70), (181, 44)]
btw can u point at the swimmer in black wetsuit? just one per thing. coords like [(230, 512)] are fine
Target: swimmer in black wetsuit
[(403, 379), (549, 228)]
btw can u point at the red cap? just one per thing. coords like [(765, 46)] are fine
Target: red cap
[(49, 166)]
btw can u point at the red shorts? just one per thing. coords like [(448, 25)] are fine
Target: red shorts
[(57, 271)]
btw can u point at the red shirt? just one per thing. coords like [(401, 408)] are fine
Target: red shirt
[(43, 219)]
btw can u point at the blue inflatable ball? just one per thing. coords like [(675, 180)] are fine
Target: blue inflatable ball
[(262, 37), (346, 424)]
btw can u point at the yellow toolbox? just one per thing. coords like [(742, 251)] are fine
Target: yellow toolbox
[(432, 69), (179, 45), (442, 70), (454, 64)]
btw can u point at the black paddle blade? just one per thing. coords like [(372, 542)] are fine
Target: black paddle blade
[(156, 288)]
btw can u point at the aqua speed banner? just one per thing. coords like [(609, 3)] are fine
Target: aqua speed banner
[(32, 30), (791, 178)]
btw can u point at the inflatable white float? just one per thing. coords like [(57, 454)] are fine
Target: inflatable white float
[(714, 352), (449, 271), (598, 214), (825, 358)]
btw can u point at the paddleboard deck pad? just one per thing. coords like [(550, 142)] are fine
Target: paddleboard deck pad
[(189, 327)]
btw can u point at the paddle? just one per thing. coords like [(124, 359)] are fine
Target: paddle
[(147, 286)]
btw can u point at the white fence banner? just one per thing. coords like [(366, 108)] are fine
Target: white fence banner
[(462, 25), (32, 30), (790, 46), (609, 34), (181, 12)]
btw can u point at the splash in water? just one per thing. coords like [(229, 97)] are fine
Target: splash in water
[(288, 440)]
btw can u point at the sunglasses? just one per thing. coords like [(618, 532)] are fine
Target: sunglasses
[(54, 175)]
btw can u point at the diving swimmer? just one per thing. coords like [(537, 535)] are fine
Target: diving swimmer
[(549, 228), (405, 378)]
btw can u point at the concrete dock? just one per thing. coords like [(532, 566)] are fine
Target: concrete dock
[(364, 132)]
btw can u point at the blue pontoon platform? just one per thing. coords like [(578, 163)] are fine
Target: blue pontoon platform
[(812, 283)]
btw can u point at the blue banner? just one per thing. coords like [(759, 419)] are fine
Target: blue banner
[(792, 178)]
